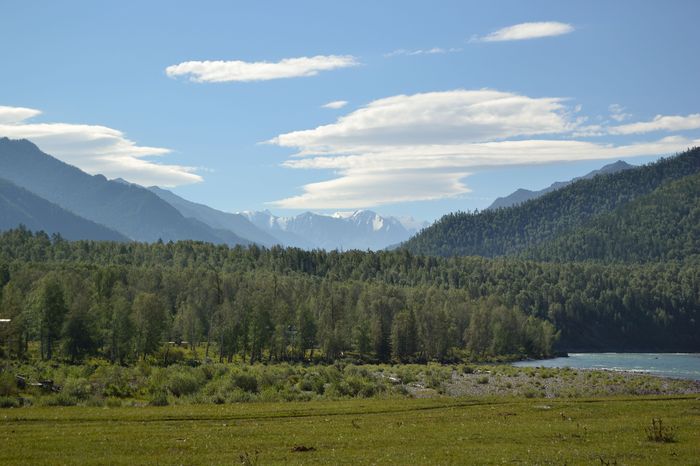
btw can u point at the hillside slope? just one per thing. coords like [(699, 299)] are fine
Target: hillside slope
[(130, 209), (513, 230), (21, 207), (661, 226)]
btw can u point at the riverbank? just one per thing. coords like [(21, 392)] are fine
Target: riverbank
[(143, 385)]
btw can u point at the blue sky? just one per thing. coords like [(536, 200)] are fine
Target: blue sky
[(449, 104)]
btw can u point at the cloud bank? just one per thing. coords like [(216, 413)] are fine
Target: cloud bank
[(236, 70), (421, 146), (526, 31), (95, 149)]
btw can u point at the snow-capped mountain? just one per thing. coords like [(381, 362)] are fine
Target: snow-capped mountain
[(361, 229)]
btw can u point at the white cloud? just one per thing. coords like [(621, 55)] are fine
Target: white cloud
[(372, 189), (13, 115), (336, 104), (432, 51), (95, 149), (617, 113), (421, 146), (660, 123), (435, 118), (237, 70), (525, 31)]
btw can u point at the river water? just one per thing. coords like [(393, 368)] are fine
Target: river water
[(676, 365)]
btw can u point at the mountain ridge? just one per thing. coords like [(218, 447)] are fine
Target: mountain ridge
[(127, 208), (19, 206), (522, 195), (360, 229)]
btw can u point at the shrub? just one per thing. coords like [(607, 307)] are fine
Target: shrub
[(484, 379), (8, 384), (246, 382), (159, 398), (112, 381), (182, 383), (168, 355), (658, 432), (8, 402), (60, 399), (78, 388)]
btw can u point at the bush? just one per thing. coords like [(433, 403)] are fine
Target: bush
[(112, 381), (168, 355), (78, 388), (183, 383), (159, 398), (8, 402), (60, 399), (658, 432), (246, 382), (8, 384)]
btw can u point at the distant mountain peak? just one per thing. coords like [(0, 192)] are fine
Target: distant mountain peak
[(357, 229)]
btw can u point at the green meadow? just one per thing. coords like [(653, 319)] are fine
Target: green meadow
[(438, 430)]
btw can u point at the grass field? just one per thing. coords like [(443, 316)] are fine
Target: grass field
[(373, 431)]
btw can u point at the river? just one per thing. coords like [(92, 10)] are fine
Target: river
[(676, 365)]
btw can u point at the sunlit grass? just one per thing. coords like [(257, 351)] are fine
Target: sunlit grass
[(398, 431)]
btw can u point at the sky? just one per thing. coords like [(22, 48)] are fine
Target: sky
[(408, 108)]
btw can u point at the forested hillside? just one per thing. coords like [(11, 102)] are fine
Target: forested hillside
[(513, 230), (123, 300), (663, 225)]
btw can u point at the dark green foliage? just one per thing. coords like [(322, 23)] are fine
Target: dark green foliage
[(246, 382), (150, 318), (51, 308), (8, 385), (663, 225), (513, 230), (288, 304)]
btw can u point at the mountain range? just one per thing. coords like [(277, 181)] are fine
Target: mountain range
[(361, 229), (83, 206)]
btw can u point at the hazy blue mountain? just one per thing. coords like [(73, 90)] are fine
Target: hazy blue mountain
[(362, 229), (21, 207), (235, 223), (127, 208), (521, 195)]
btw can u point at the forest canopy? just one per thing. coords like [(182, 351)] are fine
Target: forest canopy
[(124, 301)]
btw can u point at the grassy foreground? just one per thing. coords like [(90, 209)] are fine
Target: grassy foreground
[(373, 431)]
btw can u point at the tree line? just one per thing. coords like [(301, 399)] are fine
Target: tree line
[(123, 301)]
